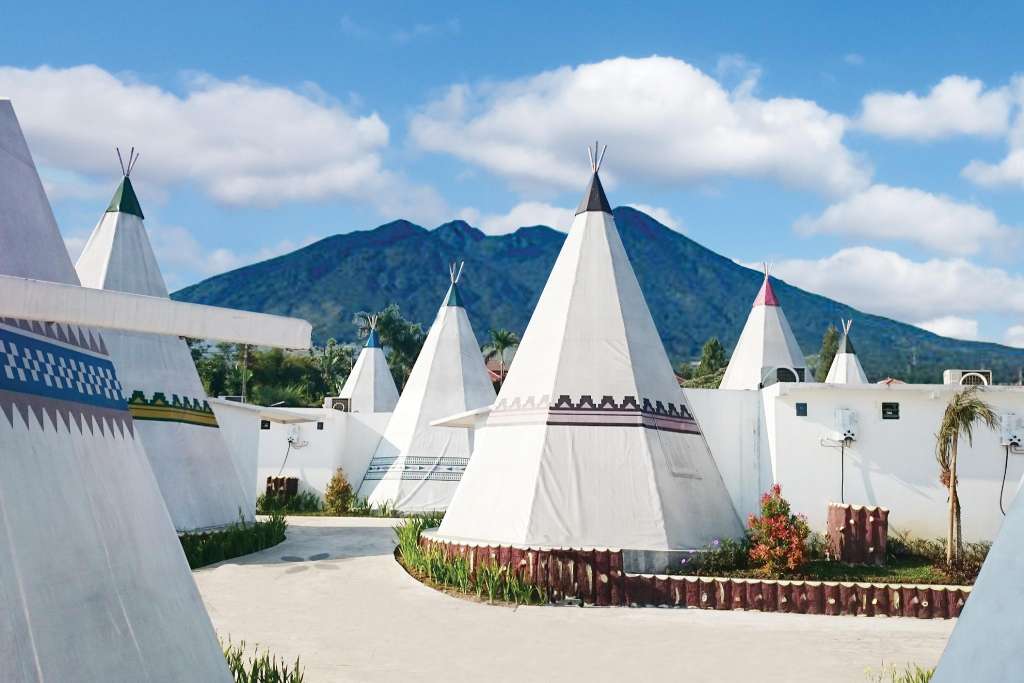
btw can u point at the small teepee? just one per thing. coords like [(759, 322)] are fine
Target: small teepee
[(591, 442), (767, 351), (846, 368), (370, 388), (93, 583), (417, 467), (190, 458)]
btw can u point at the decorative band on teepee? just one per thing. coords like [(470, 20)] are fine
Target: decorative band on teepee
[(183, 409)]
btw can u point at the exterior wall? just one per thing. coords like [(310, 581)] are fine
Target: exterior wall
[(890, 464), (347, 440), (239, 425), (730, 420)]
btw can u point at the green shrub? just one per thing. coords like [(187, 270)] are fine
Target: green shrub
[(302, 503), (495, 581), (719, 557), (338, 496), (902, 546), (260, 667), (240, 538)]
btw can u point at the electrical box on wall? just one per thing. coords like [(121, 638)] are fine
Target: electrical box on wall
[(890, 411), (1009, 430), (846, 425)]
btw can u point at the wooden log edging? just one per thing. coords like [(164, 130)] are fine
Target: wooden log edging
[(596, 577), (857, 533)]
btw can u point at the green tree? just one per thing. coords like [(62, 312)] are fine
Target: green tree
[(964, 410), (500, 341), (712, 358), (401, 338), (829, 347), (333, 363)]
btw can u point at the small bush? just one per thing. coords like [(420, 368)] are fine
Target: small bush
[(719, 557), (260, 667), (901, 546), (496, 582), (240, 538), (302, 503), (777, 536), (338, 496)]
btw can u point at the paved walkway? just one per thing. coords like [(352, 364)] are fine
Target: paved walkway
[(333, 594)]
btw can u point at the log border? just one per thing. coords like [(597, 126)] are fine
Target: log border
[(596, 576)]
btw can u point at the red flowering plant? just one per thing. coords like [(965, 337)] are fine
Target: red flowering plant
[(777, 536)]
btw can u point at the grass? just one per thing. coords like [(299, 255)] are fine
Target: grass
[(911, 674), (260, 666), (490, 581), (240, 538)]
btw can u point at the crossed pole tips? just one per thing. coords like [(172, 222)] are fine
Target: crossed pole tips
[(126, 169), (595, 159), (455, 270)]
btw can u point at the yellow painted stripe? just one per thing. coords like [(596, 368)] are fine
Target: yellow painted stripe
[(172, 414)]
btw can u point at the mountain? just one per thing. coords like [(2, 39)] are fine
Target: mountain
[(693, 293)]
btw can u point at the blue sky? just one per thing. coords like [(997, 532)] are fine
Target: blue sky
[(871, 153)]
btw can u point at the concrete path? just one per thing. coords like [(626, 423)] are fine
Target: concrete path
[(333, 594)]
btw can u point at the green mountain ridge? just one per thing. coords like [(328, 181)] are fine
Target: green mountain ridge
[(693, 292)]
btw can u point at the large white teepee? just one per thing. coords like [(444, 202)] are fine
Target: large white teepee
[(93, 582), (417, 467), (986, 641), (591, 442), (846, 367), (370, 388), (186, 450), (767, 351)]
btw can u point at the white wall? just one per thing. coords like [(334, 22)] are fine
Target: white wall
[(347, 440), (891, 463), (240, 425)]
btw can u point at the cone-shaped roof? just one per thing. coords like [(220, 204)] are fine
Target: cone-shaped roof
[(416, 466), (591, 442), (372, 340), (132, 611), (124, 199), (846, 367), (767, 350), (370, 386), (766, 295), (594, 199), (845, 344), (118, 255)]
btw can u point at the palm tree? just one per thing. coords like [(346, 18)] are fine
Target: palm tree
[(962, 412), (501, 340)]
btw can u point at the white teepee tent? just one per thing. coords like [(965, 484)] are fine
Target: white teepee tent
[(767, 351), (846, 368), (986, 641), (370, 388), (191, 461), (417, 467), (93, 582), (591, 441)]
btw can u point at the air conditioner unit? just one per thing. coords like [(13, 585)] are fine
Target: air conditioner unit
[(337, 403), (967, 377)]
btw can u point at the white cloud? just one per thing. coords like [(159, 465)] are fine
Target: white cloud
[(664, 120), (522, 214), (1014, 336), (952, 326), (242, 142), (887, 283), (853, 59), (955, 106), (900, 213)]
